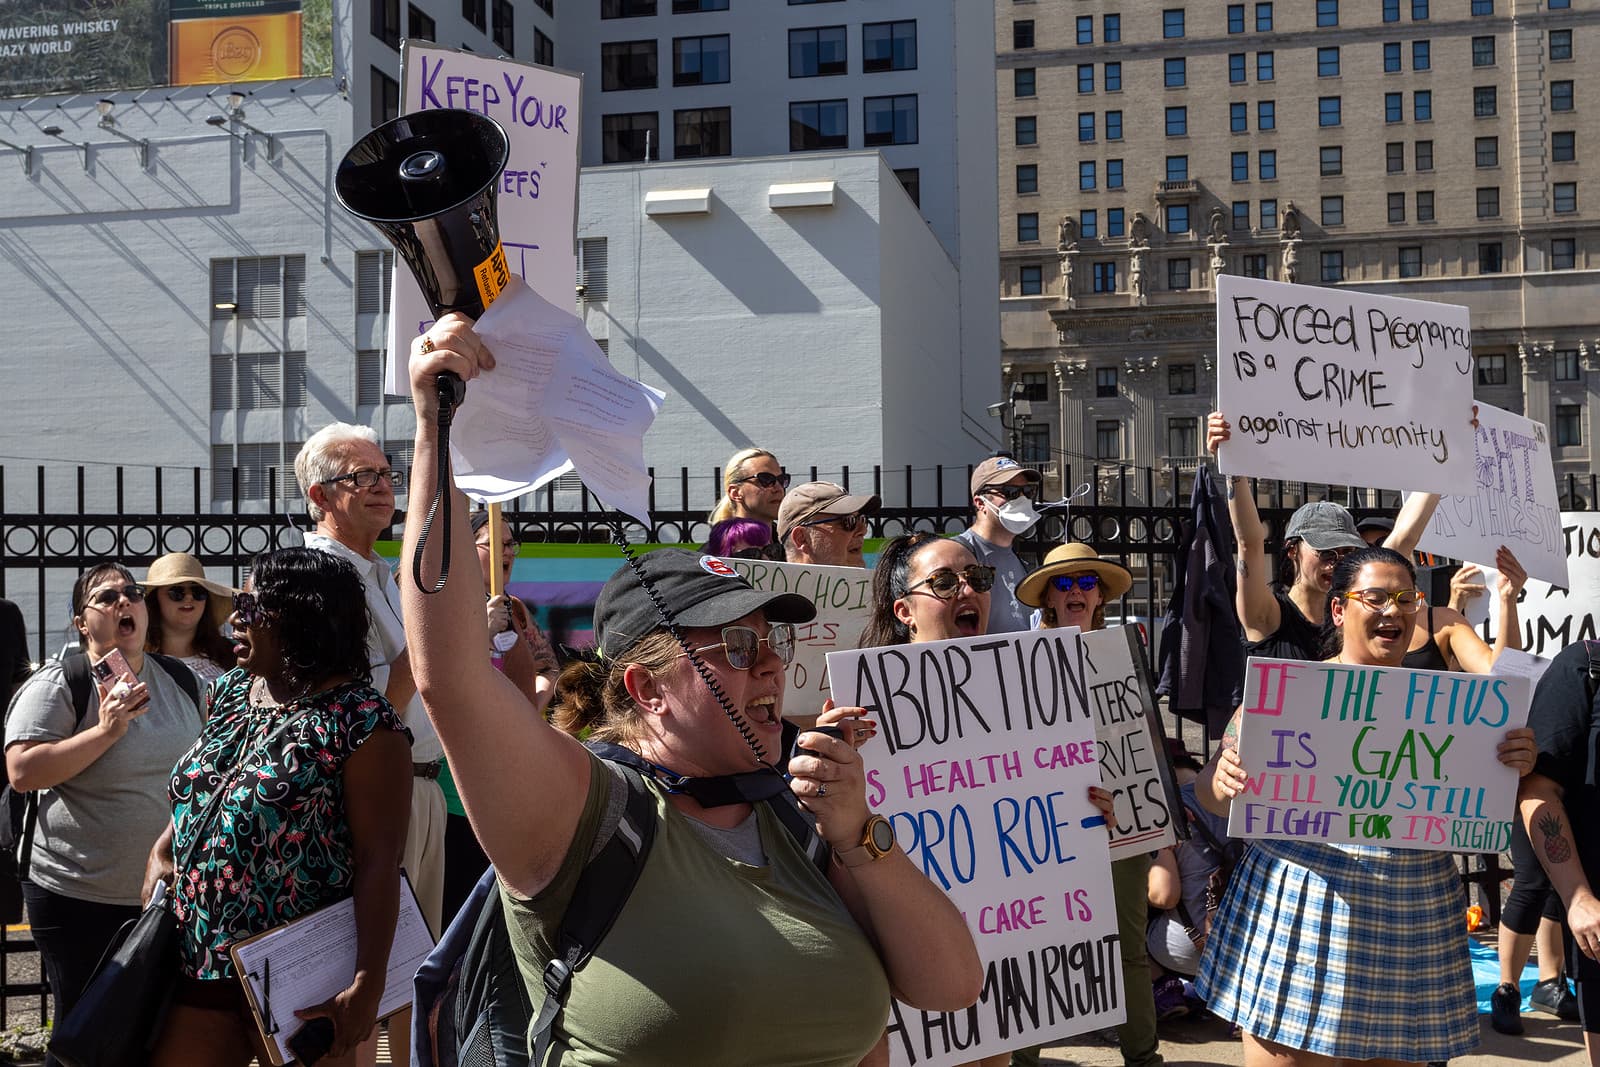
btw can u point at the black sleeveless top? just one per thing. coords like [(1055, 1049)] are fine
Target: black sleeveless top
[(1428, 657), (1296, 637)]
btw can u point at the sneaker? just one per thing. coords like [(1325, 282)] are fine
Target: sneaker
[(1169, 998), (1554, 997), (1505, 1009)]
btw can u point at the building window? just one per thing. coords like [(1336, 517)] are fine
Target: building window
[(1394, 107), (505, 32), (476, 12), (1022, 33), (1181, 379), (1177, 121), (1177, 168), (1563, 253), (627, 65), (1031, 280), (1561, 96), (1172, 22), (1241, 214), (1112, 26), (1241, 166), (1267, 165), (889, 120), (1397, 207), (1263, 18), (1424, 205), (1183, 438), (1419, 10), (372, 284), (1486, 151), (1565, 197), (1086, 175), (1333, 211), (1558, 5), (1422, 105), (1327, 12), (1027, 177), (1238, 118), (1263, 66), (1105, 381), (1394, 157), (1023, 82), (702, 132), (1333, 266), (818, 51), (1105, 276), (1391, 10), (1266, 115), (1567, 366), (1423, 153), (1113, 77), (1253, 265), (385, 92), (1035, 386), (1411, 261), (1086, 29), (1569, 425), (1113, 174), (626, 138), (1331, 160), (817, 124), (1329, 111), (1560, 45), (1085, 78), (1391, 57), (1035, 441), (1107, 439), (1489, 202), (911, 180), (1328, 62), (1085, 126), (386, 22), (1268, 215), (1028, 227), (1236, 69), (420, 25), (1113, 125), (1175, 73), (1421, 55), (1482, 7), (1180, 274), (1114, 216), (1483, 51), (1485, 101), (1491, 258), (1235, 18), (1491, 370), (1088, 225), (1027, 129), (626, 9), (679, 7), (700, 60), (1563, 146), (544, 49), (1177, 218)]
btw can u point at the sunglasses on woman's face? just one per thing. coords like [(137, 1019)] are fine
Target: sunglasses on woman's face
[(944, 582), (1065, 582), (1407, 600), (108, 596), (765, 480), (742, 645), (179, 593), (247, 609)]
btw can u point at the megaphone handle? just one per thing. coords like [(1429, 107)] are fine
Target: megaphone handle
[(451, 391)]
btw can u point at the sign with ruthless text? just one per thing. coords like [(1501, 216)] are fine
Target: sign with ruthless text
[(983, 761), (1331, 385), (1345, 754)]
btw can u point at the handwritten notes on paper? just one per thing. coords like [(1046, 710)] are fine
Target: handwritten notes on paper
[(1330, 385), (985, 754), (1346, 754)]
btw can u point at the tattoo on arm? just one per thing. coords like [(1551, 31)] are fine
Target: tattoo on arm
[(1557, 849), (1230, 736), (1242, 567)]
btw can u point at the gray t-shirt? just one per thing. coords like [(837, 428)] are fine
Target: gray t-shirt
[(1007, 614), (95, 829)]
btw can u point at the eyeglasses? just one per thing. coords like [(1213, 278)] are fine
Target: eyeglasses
[(1407, 600), (847, 523), (179, 593), (507, 545), (742, 645), (1065, 582), (765, 480), (366, 478), (247, 609), (1334, 555), (106, 597), (944, 582), (1011, 492)]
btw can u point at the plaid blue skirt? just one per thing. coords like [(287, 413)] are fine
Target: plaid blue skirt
[(1351, 951)]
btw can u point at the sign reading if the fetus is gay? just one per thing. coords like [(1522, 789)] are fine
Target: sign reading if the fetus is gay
[(1345, 754)]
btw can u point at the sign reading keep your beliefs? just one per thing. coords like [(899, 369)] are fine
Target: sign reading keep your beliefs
[(982, 763), (1346, 754), (1330, 385)]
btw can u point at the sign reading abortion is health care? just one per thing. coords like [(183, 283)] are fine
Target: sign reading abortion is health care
[(983, 762), (843, 598), (1329, 385), (1344, 754)]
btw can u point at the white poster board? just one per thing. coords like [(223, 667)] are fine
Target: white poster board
[(1344, 387), (843, 598), (1133, 758), (1515, 502), (1554, 616), (1344, 754), (540, 109), (982, 762)]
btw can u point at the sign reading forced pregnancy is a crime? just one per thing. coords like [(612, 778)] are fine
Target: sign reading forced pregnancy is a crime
[(1346, 754), (982, 763), (1329, 385)]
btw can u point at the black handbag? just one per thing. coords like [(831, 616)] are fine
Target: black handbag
[(119, 1018)]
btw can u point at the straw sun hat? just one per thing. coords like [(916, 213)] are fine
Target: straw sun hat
[(1074, 558), (180, 568)]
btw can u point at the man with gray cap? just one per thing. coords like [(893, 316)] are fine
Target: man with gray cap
[(1003, 492), (822, 524)]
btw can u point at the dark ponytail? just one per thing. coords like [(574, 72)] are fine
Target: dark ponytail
[(1345, 573), (889, 583)]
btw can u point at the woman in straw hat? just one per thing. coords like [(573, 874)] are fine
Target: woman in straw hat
[(190, 612)]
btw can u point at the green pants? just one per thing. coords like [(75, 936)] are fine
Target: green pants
[(1130, 887)]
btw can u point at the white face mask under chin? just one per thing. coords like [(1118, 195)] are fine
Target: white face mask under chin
[(1017, 516)]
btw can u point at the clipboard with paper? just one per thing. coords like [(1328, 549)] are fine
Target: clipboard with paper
[(305, 962)]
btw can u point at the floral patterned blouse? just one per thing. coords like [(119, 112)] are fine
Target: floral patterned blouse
[(279, 845)]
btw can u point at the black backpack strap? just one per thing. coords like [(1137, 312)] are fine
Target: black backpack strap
[(179, 672), (603, 888), (80, 685), (1592, 674), (802, 828)]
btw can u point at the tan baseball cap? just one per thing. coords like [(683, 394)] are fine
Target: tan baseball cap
[(820, 498), (998, 470)]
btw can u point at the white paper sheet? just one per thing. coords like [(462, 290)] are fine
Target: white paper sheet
[(551, 404), (1514, 663)]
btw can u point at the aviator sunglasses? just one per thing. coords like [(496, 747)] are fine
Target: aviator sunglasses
[(765, 480), (742, 645), (944, 582), (1065, 582)]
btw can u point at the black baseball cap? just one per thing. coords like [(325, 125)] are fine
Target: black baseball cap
[(696, 589)]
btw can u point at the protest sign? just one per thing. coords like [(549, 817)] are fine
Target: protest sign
[(1133, 758), (843, 598), (1552, 617), (1515, 502), (538, 191), (983, 761), (1331, 385), (1344, 754)]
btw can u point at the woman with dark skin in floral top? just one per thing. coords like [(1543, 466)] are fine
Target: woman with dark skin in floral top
[(314, 813)]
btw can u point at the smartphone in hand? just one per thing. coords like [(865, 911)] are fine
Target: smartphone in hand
[(311, 1042), (109, 671)]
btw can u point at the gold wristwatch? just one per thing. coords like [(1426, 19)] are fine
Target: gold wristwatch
[(877, 841)]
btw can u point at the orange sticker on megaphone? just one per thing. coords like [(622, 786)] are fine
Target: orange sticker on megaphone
[(492, 275)]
